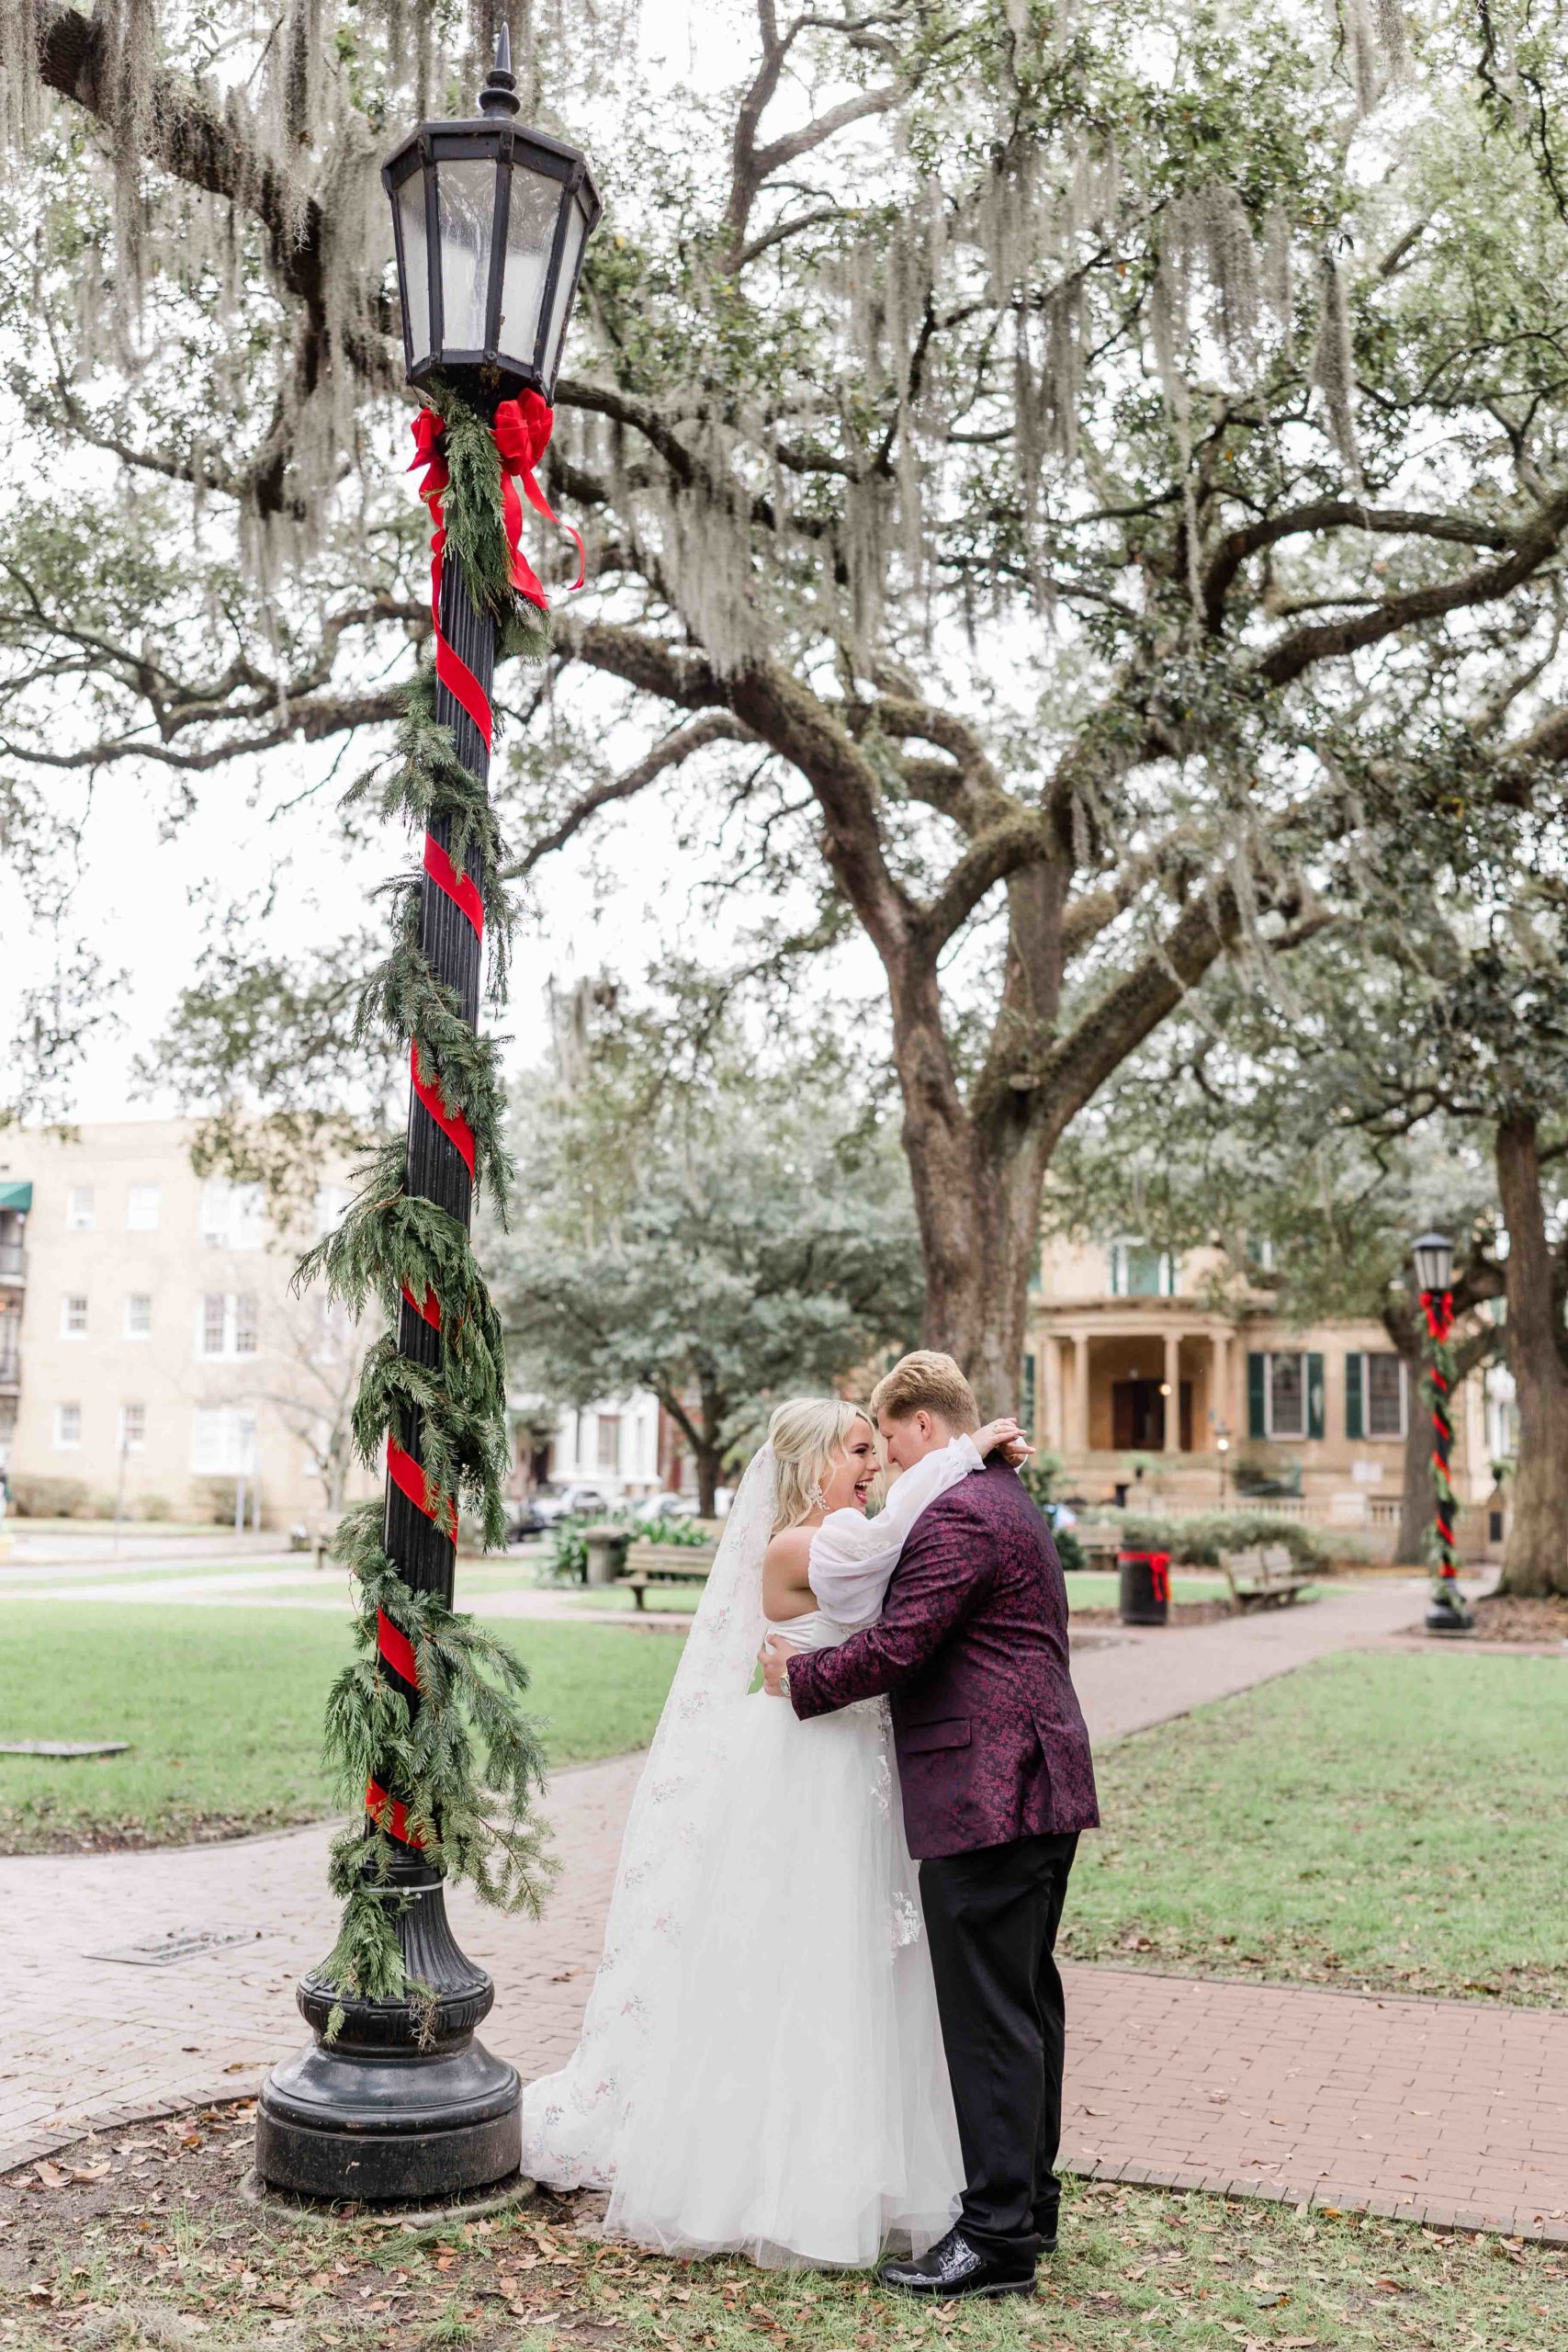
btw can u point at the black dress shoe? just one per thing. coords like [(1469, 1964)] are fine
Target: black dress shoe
[(955, 2267)]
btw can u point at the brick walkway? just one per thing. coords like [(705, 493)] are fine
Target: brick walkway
[(1452, 2112)]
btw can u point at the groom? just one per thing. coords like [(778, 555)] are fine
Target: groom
[(994, 1762)]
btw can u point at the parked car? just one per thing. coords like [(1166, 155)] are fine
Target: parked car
[(570, 1502), (528, 1519), (654, 1507)]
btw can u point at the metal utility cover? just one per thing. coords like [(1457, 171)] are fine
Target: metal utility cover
[(175, 1944)]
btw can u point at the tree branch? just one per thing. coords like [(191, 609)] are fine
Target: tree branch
[(714, 727)]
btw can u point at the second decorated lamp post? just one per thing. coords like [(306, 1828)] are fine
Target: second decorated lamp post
[(1434, 1258), (396, 2100)]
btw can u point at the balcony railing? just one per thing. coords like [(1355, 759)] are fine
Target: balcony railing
[(10, 1368), (13, 1262)]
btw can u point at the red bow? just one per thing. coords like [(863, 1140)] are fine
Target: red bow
[(522, 434), (522, 431)]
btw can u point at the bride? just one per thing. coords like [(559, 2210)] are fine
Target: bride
[(761, 2068)]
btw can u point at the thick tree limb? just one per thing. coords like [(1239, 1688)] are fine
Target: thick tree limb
[(1531, 546), (1334, 514)]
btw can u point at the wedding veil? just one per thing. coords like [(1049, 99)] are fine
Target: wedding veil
[(571, 2120)]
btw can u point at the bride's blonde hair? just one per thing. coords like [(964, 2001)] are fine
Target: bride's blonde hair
[(806, 1434)]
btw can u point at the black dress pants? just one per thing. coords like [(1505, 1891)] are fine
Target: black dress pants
[(991, 1918)]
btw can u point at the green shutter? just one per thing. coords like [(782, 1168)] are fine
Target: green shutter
[(1355, 1378), (1027, 1415), (1256, 1389), (1314, 1397)]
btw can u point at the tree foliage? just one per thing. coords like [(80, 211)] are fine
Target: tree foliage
[(725, 1240), (1064, 481)]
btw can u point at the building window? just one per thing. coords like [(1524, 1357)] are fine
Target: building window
[(1287, 1397), (1377, 1397), (233, 1217), (74, 1316), (1138, 1272), (1284, 1395), (227, 1325), (223, 1442), (139, 1315), (609, 1454), (142, 1209), (67, 1427), (133, 1428), (79, 1209)]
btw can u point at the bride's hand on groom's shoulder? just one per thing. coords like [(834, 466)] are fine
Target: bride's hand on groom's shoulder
[(1005, 1437)]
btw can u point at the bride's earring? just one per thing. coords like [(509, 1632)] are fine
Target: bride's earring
[(815, 1497)]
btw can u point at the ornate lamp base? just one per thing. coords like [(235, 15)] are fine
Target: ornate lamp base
[(373, 2115), (1449, 1617)]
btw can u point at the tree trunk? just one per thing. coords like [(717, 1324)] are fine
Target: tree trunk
[(709, 1464), (1418, 1495), (1535, 1560)]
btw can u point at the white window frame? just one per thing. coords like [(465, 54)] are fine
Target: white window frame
[(1272, 1356), (1384, 1437), (234, 1217), (143, 1206), (63, 1444), (133, 1436), (80, 1213), (71, 1328), (1117, 1270), (237, 1323), (135, 1330), (223, 1442)]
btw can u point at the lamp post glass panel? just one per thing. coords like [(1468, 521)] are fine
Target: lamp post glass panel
[(402, 2102), (1434, 1258)]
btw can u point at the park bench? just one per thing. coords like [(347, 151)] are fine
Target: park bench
[(1264, 1578), (665, 1564)]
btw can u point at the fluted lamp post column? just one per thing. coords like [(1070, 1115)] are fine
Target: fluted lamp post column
[(402, 2102), (1434, 1256)]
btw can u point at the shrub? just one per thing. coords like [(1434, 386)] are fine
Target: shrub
[(566, 1562), (1198, 1542), (215, 1500), (155, 1507), (42, 1497), (684, 1534)]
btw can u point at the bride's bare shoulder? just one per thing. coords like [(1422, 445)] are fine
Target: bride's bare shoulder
[(789, 1553)]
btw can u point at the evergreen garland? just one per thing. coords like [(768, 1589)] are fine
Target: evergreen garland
[(466, 1763)]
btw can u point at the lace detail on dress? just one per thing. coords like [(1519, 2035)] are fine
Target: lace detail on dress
[(907, 1924)]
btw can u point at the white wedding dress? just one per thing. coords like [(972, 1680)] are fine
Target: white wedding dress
[(760, 2069)]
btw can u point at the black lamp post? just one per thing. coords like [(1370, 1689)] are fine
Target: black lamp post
[(1434, 1256), (403, 2103)]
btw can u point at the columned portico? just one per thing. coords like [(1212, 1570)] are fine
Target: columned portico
[(1145, 1376)]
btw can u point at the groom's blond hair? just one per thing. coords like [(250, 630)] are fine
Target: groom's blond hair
[(926, 1382)]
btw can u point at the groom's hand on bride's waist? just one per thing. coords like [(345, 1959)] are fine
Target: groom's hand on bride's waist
[(773, 1658)]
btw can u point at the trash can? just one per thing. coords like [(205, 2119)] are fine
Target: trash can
[(606, 1548), (1145, 1587)]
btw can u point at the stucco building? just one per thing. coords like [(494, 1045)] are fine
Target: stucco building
[(1135, 1354), (151, 1351)]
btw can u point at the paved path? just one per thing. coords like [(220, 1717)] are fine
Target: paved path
[(1453, 2111)]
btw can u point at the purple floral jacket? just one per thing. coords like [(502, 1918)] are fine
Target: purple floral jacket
[(971, 1646)]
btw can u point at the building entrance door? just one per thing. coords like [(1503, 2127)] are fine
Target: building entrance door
[(1137, 1417)]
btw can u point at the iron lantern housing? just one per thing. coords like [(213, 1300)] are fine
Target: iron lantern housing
[(492, 222), (1434, 1256)]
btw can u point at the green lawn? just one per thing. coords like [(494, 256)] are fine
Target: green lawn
[(1399, 1823), (1091, 1588), (223, 1710)]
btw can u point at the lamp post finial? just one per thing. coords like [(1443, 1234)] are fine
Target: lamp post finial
[(499, 93)]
